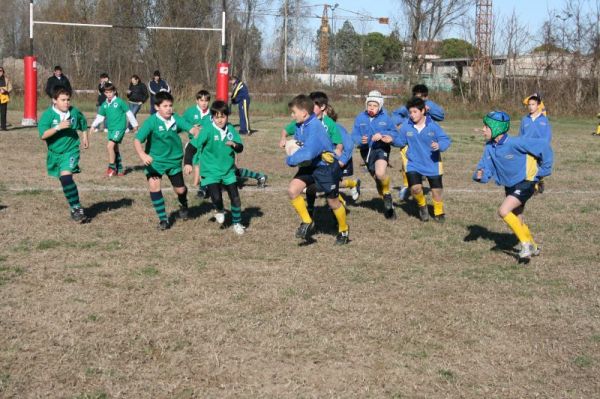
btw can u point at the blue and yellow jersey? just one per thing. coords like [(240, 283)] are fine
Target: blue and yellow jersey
[(315, 142), (538, 128), (364, 125), (421, 158), (515, 159)]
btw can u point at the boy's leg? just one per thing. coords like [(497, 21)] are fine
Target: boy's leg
[(339, 211), (311, 197), (112, 167), (247, 173), (383, 186), (216, 196), (118, 161), (158, 201), (505, 211), (72, 195), (435, 183), (295, 188), (236, 203), (181, 190), (415, 182)]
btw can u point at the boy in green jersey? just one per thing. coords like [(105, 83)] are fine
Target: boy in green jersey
[(217, 144), (58, 126), (163, 154), (198, 115), (116, 112)]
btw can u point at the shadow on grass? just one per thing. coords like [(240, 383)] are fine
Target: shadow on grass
[(505, 242), (2, 207), (106, 206), (194, 212), (250, 213)]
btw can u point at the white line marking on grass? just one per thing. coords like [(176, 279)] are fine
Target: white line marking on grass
[(276, 189)]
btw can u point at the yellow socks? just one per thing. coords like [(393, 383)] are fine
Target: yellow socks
[(420, 198), (385, 185), (340, 215), (349, 183), (342, 200), (300, 207), (520, 229), (438, 208)]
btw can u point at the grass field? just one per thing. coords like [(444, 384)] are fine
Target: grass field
[(116, 309)]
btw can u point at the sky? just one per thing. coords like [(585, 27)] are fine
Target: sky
[(532, 15)]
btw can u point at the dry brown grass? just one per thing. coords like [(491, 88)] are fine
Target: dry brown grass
[(116, 309)]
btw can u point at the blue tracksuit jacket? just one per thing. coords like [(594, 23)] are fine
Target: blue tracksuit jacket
[(315, 141), (348, 144), (364, 125), (421, 158), (515, 159), (536, 129)]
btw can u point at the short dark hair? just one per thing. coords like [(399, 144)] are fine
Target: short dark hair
[(219, 107), (203, 94), (156, 73), (103, 75), (420, 89), (415, 102), (109, 86), (58, 90), (135, 77), (537, 99), (302, 101), (319, 98), (161, 97), (58, 68)]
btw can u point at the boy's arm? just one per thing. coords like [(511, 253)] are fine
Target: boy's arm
[(190, 151), (98, 120), (435, 111), (287, 131), (309, 151), (236, 144), (482, 173), (442, 139), (184, 126), (46, 130), (140, 137), (356, 133), (399, 139)]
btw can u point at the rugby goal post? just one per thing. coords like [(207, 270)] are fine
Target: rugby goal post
[(30, 62)]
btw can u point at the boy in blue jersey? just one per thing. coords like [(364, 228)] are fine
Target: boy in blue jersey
[(400, 116), (318, 165), (425, 140), (541, 103), (535, 125), (373, 132), (516, 163)]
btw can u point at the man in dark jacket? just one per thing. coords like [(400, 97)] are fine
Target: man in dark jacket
[(241, 97), (156, 85), (58, 79)]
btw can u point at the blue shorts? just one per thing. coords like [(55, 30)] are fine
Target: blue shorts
[(326, 178), (349, 169), (374, 155), (522, 191)]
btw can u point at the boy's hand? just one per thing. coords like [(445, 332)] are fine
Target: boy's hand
[(188, 169), (64, 125), (282, 142), (341, 165), (146, 159), (85, 142), (364, 140), (387, 139), (195, 130), (230, 143), (435, 146), (376, 137), (479, 174)]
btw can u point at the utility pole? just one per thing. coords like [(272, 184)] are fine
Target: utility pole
[(324, 42), (483, 41), (285, 41)]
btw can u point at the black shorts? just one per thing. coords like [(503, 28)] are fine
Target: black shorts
[(415, 178), (376, 154), (326, 178), (522, 191), (349, 169), (176, 179)]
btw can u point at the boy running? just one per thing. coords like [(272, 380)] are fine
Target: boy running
[(516, 163), (425, 140), (163, 154), (58, 126), (373, 132), (318, 164), (117, 113), (536, 125), (198, 115), (218, 143)]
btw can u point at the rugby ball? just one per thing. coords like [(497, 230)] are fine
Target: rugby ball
[(291, 146)]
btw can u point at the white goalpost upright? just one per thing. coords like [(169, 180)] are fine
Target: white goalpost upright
[(30, 63)]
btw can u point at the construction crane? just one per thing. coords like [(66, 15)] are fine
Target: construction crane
[(324, 41), (482, 63)]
